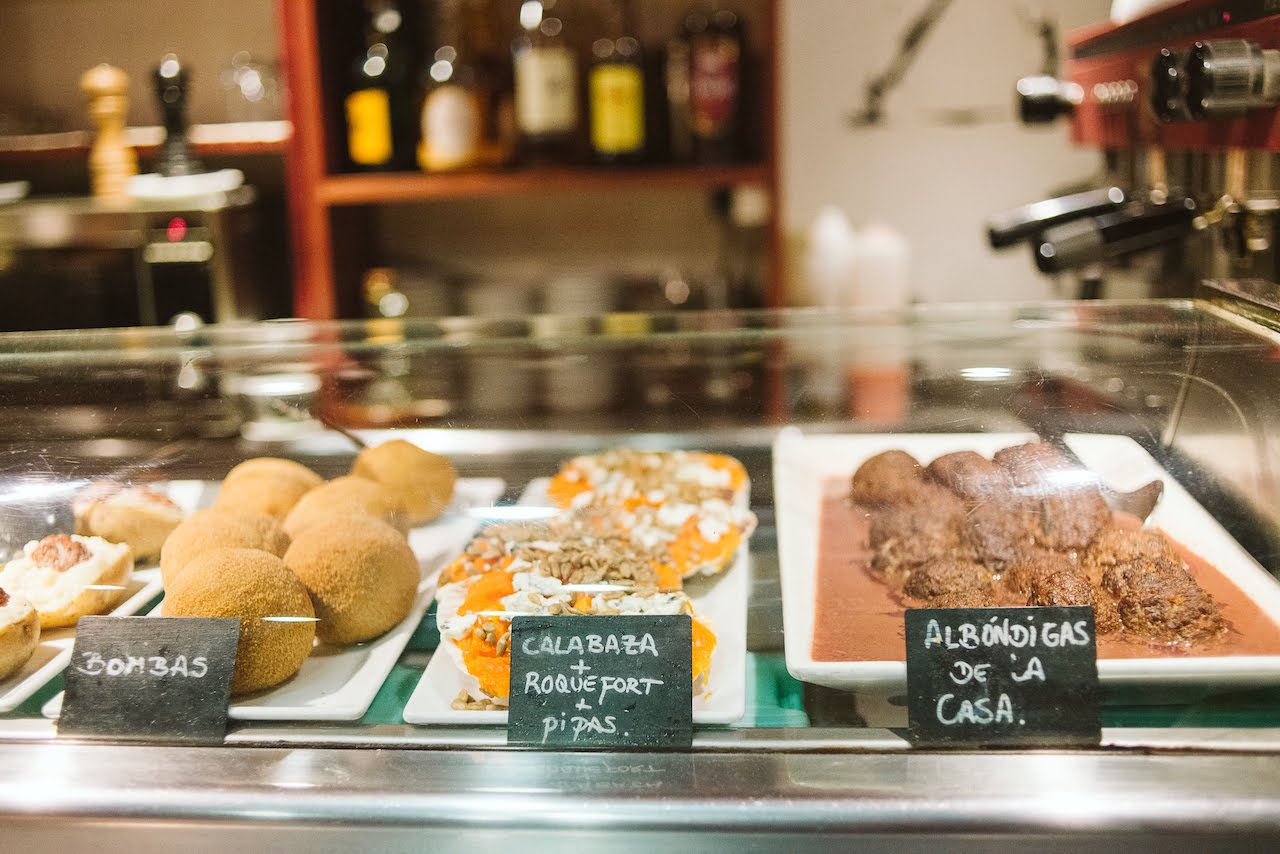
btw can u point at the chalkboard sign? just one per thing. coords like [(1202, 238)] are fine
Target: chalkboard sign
[(150, 679), (1002, 676), (601, 682)]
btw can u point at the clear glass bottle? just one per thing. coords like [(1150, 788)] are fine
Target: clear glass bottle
[(452, 126), (546, 86)]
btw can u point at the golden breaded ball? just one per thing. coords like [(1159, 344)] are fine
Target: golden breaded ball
[(267, 485), (345, 496), (423, 481), (361, 574), (215, 528), (277, 626)]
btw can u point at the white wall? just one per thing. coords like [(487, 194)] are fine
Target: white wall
[(48, 44), (934, 183)]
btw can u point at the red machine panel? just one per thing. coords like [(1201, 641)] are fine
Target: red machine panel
[(1232, 77)]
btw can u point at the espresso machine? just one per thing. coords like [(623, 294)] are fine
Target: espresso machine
[(1182, 104)]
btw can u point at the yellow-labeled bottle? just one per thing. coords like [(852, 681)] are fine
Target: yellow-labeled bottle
[(615, 92), (377, 105)]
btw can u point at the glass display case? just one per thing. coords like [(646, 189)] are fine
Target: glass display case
[(798, 735)]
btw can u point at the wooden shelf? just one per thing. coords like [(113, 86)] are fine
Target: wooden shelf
[(335, 235), (228, 139), (375, 188)]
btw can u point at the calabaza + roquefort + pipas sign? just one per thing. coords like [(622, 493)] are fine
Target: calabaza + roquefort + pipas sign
[(1002, 676), (601, 682)]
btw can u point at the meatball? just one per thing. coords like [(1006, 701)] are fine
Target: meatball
[(1072, 520), (1029, 466), (1159, 599), (1001, 530), (1106, 615), (968, 474), (888, 478), (975, 598), (1066, 587), (948, 575), (906, 535), (1115, 545), (1032, 564)]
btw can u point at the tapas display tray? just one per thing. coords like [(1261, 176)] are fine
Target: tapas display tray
[(811, 476)]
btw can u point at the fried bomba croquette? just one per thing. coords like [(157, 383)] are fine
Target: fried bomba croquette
[(888, 478), (423, 482), (361, 575), (345, 496), (277, 625), (214, 528), (969, 474), (1159, 599), (267, 485)]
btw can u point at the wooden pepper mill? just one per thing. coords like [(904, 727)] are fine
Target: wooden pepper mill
[(111, 161)]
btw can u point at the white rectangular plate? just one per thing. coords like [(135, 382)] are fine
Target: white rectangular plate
[(338, 683), (802, 463), (722, 600), (54, 649)]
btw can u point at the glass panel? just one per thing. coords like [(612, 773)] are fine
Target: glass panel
[(1186, 386)]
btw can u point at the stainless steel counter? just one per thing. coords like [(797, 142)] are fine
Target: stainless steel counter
[(223, 799)]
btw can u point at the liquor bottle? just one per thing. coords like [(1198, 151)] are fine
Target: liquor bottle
[(676, 83), (380, 126), (546, 85), (615, 85), (453, 105), (716, 56), (493, 78)]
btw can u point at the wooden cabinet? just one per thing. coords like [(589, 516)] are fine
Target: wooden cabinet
[(335, 214)]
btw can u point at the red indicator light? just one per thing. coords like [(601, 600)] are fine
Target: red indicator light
[(176, 230), (1226, 17)]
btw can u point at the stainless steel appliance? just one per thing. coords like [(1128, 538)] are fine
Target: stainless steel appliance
[(1181, 103), (68, 263)]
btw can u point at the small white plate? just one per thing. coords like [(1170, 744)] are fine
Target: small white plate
[(802, 464), (721, 599), (338, 683), (54, 649)]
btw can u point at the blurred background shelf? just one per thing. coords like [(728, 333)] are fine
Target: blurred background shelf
[(667, 219), (225, 139), (360, 189)]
